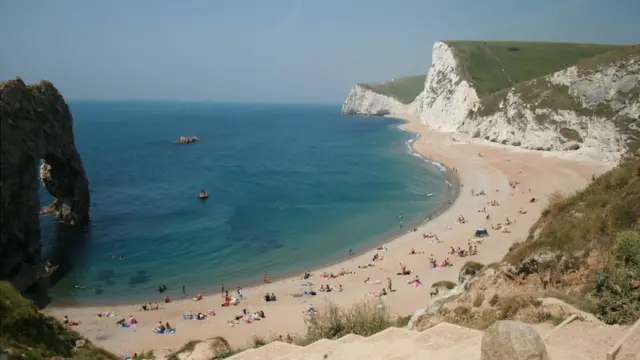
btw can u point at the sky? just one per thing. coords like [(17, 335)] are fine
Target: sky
[(270, 51)]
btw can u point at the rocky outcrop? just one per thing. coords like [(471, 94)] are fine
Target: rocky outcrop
[(363, 101), (447, 96), (187, 139), (512, 340), (36, 126)]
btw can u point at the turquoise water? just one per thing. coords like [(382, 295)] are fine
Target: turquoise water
[(291, 187)]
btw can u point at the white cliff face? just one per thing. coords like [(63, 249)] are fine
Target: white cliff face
[(447, 97), (362, 101), (583, 127), (588, 113)]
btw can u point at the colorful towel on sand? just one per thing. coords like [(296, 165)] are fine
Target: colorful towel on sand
[(166, 332), (125, 326)]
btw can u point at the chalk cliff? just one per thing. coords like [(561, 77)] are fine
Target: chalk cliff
[(363, 101), (36, 125), (447, 96), (590, 110)]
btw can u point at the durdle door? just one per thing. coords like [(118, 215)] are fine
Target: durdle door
[(36, 125)]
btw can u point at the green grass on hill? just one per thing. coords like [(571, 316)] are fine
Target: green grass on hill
[(404, 89), (542, 94), (30, 335), (494, 65), (599, 225)]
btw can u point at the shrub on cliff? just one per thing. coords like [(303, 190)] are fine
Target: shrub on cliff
[(28, 334), (596, 233)]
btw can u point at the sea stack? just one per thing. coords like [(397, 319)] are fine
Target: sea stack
[(36, 126), (187, 139)]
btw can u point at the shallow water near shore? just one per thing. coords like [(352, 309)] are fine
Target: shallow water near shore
[(291, 187)]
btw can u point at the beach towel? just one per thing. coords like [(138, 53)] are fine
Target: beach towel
[(438, 267), (124, 326), (166, 332), (211, 313), (417, 285), (188, 317)]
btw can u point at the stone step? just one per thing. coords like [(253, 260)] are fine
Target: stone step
[(445, 335), (371, 346), (389, 335), (317, 350), (320, 348), (271, 351), (584, 340)]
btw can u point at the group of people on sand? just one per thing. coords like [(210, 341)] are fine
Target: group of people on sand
[(462, 220), (471, 250), (246, 317), (433, 263), (163, 328), (150, 306), (131, 322), (330, 288), (270, 297)]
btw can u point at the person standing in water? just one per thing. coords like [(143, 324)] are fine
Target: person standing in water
[(264, 278)]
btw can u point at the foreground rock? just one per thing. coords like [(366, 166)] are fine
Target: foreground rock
[(187, 139), (512, 340), (36, 125)]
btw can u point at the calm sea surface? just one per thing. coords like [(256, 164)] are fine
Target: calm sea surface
[(291, 187)]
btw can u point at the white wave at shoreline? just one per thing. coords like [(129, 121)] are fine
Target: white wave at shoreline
[(413, 152)]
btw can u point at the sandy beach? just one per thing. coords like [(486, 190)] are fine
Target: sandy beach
[(479, 167)]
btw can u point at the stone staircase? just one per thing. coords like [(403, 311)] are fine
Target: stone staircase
[(573, 339)]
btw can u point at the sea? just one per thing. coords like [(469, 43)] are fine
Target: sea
[(291, 188)]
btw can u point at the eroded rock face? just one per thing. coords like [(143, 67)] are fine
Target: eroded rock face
[(512, 340), (36, 125)]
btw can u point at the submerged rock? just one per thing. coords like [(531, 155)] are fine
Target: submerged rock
[(36, 125), (187, 139)]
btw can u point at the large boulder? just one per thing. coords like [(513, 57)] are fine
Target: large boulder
[(36, 125), (512, 340)]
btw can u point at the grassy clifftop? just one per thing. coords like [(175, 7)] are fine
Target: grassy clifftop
[(494, 65), (404, 89), (29, 335)]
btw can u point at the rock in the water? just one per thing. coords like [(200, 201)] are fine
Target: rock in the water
[(187, 139), (512, 340), (36, 125)]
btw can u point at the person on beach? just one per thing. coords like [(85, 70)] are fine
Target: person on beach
[(240, 295), (390, 284), (222, 288), (264, 277), (184, 291)]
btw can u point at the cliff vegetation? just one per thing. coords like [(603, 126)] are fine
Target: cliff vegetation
[(27, 334), (494, 65), (581, 257), (404, 89)]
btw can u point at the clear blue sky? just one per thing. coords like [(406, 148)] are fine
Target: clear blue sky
[(270, 50)]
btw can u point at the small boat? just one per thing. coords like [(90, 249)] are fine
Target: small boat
[(429, 194), (203, 195)]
